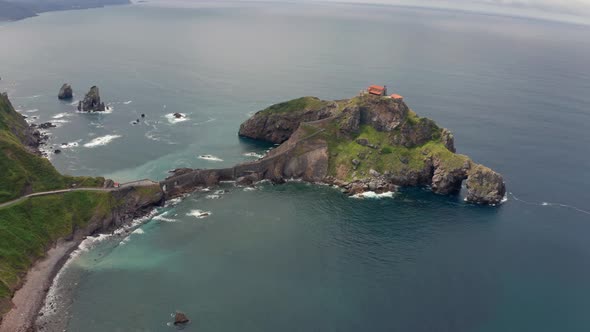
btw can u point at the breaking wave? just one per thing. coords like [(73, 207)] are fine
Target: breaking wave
[(253, 154), (69, 145), (99, 141), (374, 195), (61, 115), (209, 157), (199, 214), (172, 119)]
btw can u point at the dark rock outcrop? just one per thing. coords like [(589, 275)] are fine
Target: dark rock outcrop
[(65, 92), (46, 125), (484, 186), (180, 318), (383, 114), (92, 102), (278, 122)]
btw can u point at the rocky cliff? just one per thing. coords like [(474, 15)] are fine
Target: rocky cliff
[(92, 102), (366, 143), (278, 122)]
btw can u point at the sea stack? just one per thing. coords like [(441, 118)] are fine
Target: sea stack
[(91, 102), (180, 318), (65, 92)]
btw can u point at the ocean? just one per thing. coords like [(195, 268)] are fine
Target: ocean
[(300, 257)]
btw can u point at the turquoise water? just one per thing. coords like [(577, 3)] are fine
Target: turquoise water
[(300, 257)]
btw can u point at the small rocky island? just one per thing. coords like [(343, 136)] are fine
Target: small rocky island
[(65, 92), (372, 142), (91, 102)]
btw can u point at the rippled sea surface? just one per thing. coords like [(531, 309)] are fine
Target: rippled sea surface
[(299, 257)]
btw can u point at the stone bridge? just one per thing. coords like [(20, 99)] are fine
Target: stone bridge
[(300, 157)]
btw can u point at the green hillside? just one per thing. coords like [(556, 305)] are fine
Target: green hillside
[(22, 171)]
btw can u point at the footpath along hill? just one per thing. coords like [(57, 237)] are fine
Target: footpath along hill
[(29, 227)]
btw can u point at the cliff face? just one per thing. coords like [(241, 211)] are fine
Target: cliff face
[(91, 102), (368, 143), (278, 122)]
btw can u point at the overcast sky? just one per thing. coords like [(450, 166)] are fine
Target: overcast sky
[(567, 10)]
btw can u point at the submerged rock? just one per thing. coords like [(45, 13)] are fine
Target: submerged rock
[(65, 92), (178, 115), (91, 102), (46, 125)]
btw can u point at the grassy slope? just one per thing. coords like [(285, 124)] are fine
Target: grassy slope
[(23, 171), (28, 228), (393, 158), (299, 104)]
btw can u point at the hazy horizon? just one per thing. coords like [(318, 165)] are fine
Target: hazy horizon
[(575, 11)]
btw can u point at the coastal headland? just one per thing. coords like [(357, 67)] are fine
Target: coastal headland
[(365, 143)]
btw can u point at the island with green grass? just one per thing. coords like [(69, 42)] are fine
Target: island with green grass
[(371, 142)]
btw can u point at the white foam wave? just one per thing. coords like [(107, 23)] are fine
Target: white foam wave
[(249, 189), (162, 218), (34, 110), (69, 145), (172, 119), (374, 195), (138, 231), (99, 141), (75, 103), (61, 115), (209, 157), (128, 102), (212, 196), (199, 214), (108, 110), (253, 154)]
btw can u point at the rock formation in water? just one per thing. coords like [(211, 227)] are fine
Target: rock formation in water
[(366, 143), (65, 92), (180, 318), (91, 102)]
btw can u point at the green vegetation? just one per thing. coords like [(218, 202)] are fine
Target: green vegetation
[(387, 157), (28, 228), (299, 104), (22, 171)]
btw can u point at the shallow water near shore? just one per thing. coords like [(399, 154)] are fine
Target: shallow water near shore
[(305, 257)]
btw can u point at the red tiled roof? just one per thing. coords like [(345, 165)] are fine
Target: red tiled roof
[(376, 90), (396, 96)]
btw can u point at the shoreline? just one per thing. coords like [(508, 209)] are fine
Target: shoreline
[(30, 297)]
